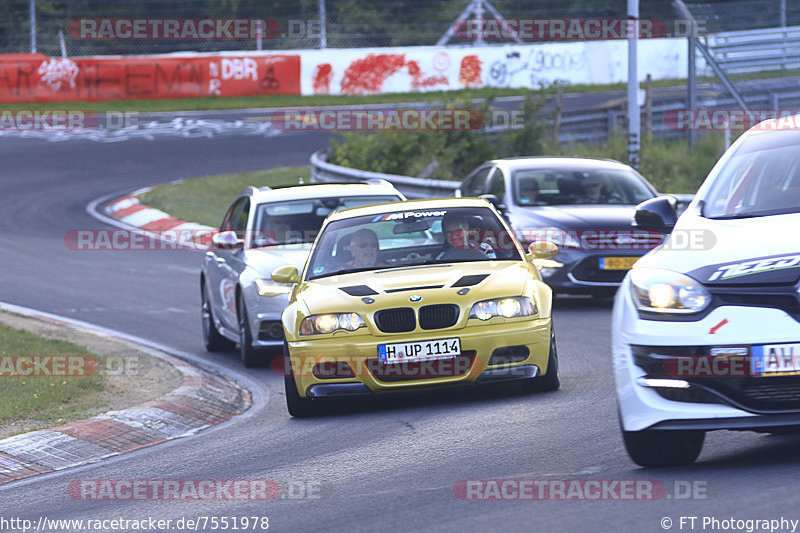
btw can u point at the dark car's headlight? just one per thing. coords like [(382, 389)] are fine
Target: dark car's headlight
[(330, 322), (506, 307), (665, 291)]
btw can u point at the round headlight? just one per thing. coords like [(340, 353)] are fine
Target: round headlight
[(508, 307), (350, 321), (326, 323), (485, 310)]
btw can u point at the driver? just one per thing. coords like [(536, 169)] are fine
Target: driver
[(457, 246), (528, 191), (364, 249)]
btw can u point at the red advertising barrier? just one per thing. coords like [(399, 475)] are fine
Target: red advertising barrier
[(38, 78)]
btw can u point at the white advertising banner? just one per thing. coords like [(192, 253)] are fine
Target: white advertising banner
[(441, 68)]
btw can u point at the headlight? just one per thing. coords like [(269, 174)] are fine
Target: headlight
[(328, 323), (267, 287), (505, 307), (664, 291)]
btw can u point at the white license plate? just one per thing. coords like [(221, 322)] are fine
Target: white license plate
[(408, 352), (775, 360)]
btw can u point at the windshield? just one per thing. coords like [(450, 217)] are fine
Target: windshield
[(409, 238), (538, 186), (761, 178), (299, 221)]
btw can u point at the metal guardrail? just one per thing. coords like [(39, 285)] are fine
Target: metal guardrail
[(597, 126), (414, 188), (324, 172), (756, 50)]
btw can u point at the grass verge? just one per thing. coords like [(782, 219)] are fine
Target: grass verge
[(205, 200), (44, 398)]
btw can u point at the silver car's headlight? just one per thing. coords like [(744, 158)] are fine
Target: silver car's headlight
[(506, 307), (328, 323), (267, 287), (665, 291)]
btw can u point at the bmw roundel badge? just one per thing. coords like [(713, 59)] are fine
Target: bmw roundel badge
[(415, 298)]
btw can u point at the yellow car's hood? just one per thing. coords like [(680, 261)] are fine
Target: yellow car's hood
[(395, 287)]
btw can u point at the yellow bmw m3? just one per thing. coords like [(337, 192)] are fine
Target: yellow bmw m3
[(413, 295)]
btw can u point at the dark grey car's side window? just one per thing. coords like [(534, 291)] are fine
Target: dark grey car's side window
[(475, 185), (498, 186)]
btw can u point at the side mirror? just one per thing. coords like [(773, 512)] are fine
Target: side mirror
[(494, 200), (286, 274), (227, 240), (541, 250), (657, 214)]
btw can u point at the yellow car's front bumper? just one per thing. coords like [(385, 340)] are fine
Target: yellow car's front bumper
[(478, 343)]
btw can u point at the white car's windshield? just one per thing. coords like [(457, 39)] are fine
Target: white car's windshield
[(565, 187), (409, 238), (299, 221), (761, 178)]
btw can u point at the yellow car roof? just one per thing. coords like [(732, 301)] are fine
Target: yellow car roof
[(409, 205)]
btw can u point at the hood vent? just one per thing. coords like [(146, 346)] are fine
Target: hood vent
[(358, 290), (415, 288), (468, 281)]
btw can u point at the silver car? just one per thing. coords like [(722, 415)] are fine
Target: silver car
[(264, 229)]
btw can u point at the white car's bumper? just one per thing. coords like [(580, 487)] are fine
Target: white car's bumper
[(643, 407)]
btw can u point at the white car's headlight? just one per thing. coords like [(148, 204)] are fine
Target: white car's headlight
[(505, 307), (328, 323), (267, 287), (665, 291)]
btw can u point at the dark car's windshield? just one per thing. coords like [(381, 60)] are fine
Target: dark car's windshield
[(532, 187), (298, 221), (761, 178), (410, 238)]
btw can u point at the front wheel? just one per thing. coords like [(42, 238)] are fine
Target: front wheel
[(251, 357), (663, 448), (297, 406), (212, 338), (549, 382)]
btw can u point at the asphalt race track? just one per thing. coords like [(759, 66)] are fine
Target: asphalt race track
[(387, 464)]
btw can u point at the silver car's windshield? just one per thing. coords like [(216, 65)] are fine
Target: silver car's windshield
[(298, 221), (409, 238), (761, 178), (539, 186)]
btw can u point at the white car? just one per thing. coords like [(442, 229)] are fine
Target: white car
[(706, 327), (266, 228)]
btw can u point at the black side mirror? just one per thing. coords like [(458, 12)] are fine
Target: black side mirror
[(658, 214), (494, 200)]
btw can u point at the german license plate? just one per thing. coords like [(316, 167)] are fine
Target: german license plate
[(775, 360), (617, 263), (408, 352)]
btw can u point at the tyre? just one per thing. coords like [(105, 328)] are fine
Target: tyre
[(212, 338), (549, 382), (297, 406), (663, 448), (251, 357)]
